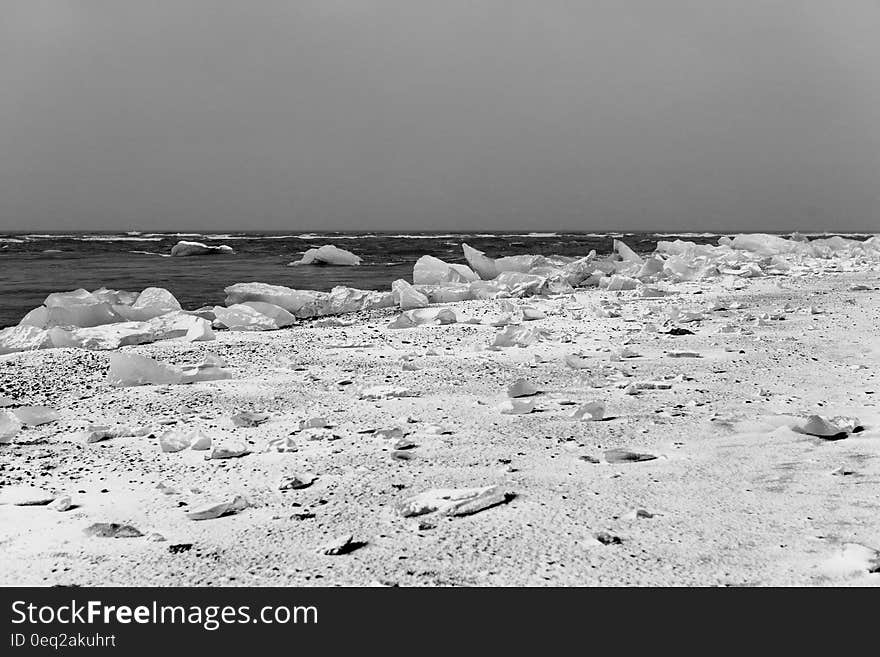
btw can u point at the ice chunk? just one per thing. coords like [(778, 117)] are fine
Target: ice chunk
[(683, 354), (343, 300), (517, 336), (296, 481), (316, 422), (200, 441), (38, 317), (232, 449), (765, 245), (482, 265), (521, 388), (280, 316), (150, 303), (283, 444), (526, 264), (530, 313), (109, 336), (446, 293), (624, 352), (249, 419), (423, 316), (636, 387), (9, 427), (36, 415), (819, 425), (218, 508), (651, 266), (210, 369), (385, 392), (62, 503), (578, 272), (627, 254), (589, 411), (618, 282), (649, 292), (200, 331), (578, 361), (407, 297), (241, 317), (852, 559), (175, 440), (112, 530), (21, 495), (115, 297), (487, 290), (291, 300), (517, 406), (341, 545), (454, 501), (429, 270), (23, 338), (521, 284), (185, 248), (134, 370), (78, 308), (627, 456), (328, 255)]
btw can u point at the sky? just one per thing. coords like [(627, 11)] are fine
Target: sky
[(440, 115)]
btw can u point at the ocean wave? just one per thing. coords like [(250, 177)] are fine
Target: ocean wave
[(316, 236), (169, 235), (687, 234), (114, 238), (12, 240), (832, 234), (153, 253), (255, 237), (92, 237)]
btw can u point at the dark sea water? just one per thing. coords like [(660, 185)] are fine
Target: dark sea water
[(32, 265)]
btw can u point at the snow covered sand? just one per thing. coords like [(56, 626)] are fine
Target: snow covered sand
[(735, 496)]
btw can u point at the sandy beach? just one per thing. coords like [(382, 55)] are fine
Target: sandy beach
[(725, 491)]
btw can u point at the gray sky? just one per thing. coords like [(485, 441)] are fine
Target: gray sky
[(440, 114)]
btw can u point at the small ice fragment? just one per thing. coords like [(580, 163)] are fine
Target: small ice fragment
[(517, 406), (521, 388), (590, 411)]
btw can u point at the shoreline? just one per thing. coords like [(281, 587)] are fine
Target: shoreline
[(736, 501)]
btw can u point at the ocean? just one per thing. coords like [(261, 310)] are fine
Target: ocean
[(33, 265)]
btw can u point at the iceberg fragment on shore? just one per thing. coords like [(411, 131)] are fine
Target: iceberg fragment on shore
[(482, 265), (152, 302), (9, 426), (422, 316), (310, 303), (134, 370), (239, 317), (454, 501), (407, 297), (34, 416), (23, 338), (429, 270), (824, 427)]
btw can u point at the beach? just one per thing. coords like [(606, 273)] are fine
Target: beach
[(700, 480)]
